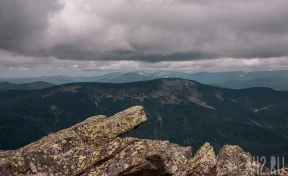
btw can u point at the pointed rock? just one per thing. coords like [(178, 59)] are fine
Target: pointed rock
[(203, 163)]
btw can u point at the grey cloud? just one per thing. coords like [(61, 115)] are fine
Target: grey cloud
[(23, 23), (149, 31), (118, 55), (228, 28), (220, 64)]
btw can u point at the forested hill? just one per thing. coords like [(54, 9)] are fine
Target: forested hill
[(178, 110)]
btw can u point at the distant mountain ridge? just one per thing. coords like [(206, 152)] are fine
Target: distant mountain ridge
[(277, 80), (24, 86), (131, 77), (181, 111), (58, 80)]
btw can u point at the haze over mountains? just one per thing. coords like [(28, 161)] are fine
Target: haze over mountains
[(178, 110), (277, 80)]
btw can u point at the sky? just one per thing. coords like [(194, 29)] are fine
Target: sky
[(90, 37)]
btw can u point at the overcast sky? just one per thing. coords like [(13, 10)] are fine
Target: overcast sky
[(86, 37)]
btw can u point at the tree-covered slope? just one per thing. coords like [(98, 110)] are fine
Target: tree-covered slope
[(181, 111)]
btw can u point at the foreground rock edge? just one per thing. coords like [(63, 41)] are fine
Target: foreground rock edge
[(94, 148)]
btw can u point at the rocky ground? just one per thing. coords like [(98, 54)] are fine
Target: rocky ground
[(95, 148)]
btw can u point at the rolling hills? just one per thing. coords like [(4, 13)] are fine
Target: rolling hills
[(178, 110)]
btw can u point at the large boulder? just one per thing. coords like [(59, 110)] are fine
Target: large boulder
[(233, 161), (93, 147)]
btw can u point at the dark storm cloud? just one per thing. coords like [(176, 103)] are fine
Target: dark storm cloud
[(150, 30), (23, 23)]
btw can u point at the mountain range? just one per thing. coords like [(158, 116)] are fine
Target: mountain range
[(60, 79), (277, 80), (24, 86), (181, 111)]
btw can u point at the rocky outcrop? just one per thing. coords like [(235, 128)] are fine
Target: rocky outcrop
[(232, 160), (94, 148), (203, 163)]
